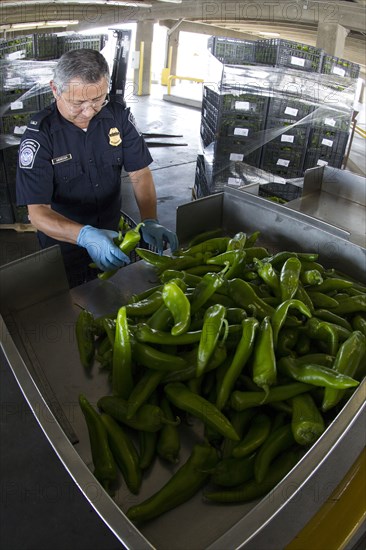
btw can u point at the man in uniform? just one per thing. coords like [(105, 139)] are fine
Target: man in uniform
[(69, 172)]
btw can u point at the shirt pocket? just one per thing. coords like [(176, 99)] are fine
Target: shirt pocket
[(112, 159), (69, 182)]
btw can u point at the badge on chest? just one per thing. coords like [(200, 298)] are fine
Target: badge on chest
[(114, 137)]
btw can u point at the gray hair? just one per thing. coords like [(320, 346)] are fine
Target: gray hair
[(88, 65)]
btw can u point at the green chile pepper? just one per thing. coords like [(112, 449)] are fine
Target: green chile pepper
[(267, 272), (179, 306), (264, 360), (153, 358), (144, 333), (238, 241), (185, 483), (105, 469), (168, 445), (287, 342), (289, 278), (205, 236), (278, 441), (161, 319), (279, 316), (311, 277), (215, 245), (85, 338), (346, 363), (180, 396), (317, 375), (207, 287), (257, 434), (124, 453), (241, 400), (352, 304), (252, 239), (321, 300), (122, 380), (333, 284), (244, 296), (240, 421), (241, 356), (327, 315), (281, 257), (307, 423), (129, 242), (144, 388), (252, 489), (213, 321), (149, 418), (231, 472), (147, 448), (145, 307), (359, 323)]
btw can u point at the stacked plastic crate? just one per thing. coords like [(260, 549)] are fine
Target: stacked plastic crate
[(26, 67), (230, 117), (330, 130), (284, 153)]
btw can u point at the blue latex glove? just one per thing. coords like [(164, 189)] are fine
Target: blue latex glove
[(155, 234), (101, 248)]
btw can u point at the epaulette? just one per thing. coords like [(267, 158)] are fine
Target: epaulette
[(36, 120)]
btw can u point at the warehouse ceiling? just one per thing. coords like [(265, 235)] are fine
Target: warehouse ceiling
[(291, 19)]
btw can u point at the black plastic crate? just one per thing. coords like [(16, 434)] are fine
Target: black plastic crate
[(315, 157), (22, 44), (201, 187), (288, 109), (328, 141), (237, 150), (232, 51), (9, 122), (331, 120), (282, 160), (45, 46), (286, 53), (340, 67), (284, 191), (206, 133), (75, 42), (291, 136), (221, 120)]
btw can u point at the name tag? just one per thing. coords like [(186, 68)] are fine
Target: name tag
[(64, 158)]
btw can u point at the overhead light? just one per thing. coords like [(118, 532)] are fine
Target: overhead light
[(171, 1), (273, 34), (37, 24)]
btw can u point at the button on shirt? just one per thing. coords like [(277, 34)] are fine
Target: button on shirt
[(78, 172)]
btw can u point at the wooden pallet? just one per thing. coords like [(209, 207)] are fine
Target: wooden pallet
[(19, 227)]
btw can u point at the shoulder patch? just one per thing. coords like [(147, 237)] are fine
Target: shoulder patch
[(131, 119), (27, 153)]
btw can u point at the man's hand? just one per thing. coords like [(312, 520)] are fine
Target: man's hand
[(155, 234), (101, 248)]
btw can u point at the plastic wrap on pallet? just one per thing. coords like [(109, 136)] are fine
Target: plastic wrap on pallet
[(25, 89), (263, 116)]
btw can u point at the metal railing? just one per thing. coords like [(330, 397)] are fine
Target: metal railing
[(176, 77)]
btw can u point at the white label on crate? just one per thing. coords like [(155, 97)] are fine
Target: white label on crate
[(297, 61), (327, 142), (16, 105), (339, 71), (234, 181), (242, 105), (204, 113), (330, 122), (283, 162), (236, 157), (241, 131), (287, 138), (19, 130), (322, 162), (291, 111)]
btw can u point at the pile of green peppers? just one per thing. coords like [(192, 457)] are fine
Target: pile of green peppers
[(261, 349)]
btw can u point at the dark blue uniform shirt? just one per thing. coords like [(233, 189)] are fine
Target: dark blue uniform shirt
[(78, 173)]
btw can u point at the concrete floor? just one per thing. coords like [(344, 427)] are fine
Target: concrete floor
[(40, 507)]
